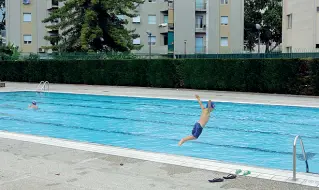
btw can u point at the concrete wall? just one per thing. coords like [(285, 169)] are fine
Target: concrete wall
[(303, 34), (13, 22), (236, 26), (213, 23), (184, 26)]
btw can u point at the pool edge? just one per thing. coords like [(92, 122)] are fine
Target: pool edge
[(198, 163)]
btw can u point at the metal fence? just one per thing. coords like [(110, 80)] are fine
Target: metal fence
[(105, 56)]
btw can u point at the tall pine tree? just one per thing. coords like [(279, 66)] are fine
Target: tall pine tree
[(86, 25)]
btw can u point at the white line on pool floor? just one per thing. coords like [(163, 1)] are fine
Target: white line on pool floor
[(205, 164)]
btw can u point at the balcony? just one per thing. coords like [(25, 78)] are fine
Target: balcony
[(171, 27), (200, 29), (170, 5), (52, 31), (200, 49), (170, 48), (163, 28), (200, 6), (52, 4)]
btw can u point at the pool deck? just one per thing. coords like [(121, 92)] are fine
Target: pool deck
[(34, 162)]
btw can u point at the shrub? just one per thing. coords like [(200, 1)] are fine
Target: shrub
[(289, 76)]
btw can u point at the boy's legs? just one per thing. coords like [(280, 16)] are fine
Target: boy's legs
[(186, 139), (197, 130)]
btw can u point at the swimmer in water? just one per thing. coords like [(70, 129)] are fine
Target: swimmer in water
[(33, 105), (204, 118)]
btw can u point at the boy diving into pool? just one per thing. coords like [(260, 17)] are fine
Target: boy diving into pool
[(204, 118)]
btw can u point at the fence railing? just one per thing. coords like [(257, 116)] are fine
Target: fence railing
[(201, 54)]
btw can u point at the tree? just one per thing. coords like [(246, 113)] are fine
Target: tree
[(267, 13), (92, 25), (9, 52)]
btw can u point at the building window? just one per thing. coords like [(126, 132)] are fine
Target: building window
[(137, 41), (199, 45), (121, 17), (289, 17), (200, 4), (224, 20), (165, 19), (26, 2), (224, 2), (199, 21), (55, 2), (317, 9), (26, 17), (137, 19), (27, 39), (317, 46), (152, 1), (165, 40), (289, 49), (224, 41), (151, 19), (152, 39)]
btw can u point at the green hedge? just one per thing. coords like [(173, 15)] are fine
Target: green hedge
[(288, 76)]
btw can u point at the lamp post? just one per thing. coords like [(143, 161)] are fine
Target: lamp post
[(258, 27), (185, 42), (149, 43)]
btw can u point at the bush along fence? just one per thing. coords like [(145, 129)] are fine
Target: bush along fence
[(283, 76)]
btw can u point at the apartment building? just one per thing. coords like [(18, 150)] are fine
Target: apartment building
[(170, 26), (190, 26), (300, 28), (24, 23)]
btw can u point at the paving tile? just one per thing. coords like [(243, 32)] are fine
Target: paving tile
[(265, 176), (280, 178), (225, 170), (298, 181), (310, 183)]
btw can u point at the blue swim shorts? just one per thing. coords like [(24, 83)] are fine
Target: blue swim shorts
[(197, 130)]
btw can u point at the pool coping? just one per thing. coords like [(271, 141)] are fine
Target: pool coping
[(307, 179)]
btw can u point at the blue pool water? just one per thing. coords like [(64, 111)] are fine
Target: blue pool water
[(259, 135)]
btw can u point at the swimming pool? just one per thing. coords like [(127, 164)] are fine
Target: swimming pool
[(260, 135)]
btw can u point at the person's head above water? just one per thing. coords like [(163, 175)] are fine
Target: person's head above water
[(34, 103)]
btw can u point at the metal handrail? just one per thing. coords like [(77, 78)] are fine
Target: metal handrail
[(40, 84), (44, 84), (294, 156)]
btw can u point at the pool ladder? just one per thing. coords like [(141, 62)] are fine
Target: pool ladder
[(294, 156), (42, 86)]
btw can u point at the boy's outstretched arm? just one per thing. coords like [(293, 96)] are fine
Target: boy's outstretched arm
[(209, 104), (200, 102)]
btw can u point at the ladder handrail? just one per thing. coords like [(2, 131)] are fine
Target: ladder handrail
[(46, 83), (294, 156), (40, 84), (43, 83)]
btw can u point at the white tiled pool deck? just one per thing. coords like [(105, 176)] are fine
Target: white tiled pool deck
[(257, 172)]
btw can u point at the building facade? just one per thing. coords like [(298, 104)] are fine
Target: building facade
[(300, 28), (164, 26), (190, 26), (24, 27)]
